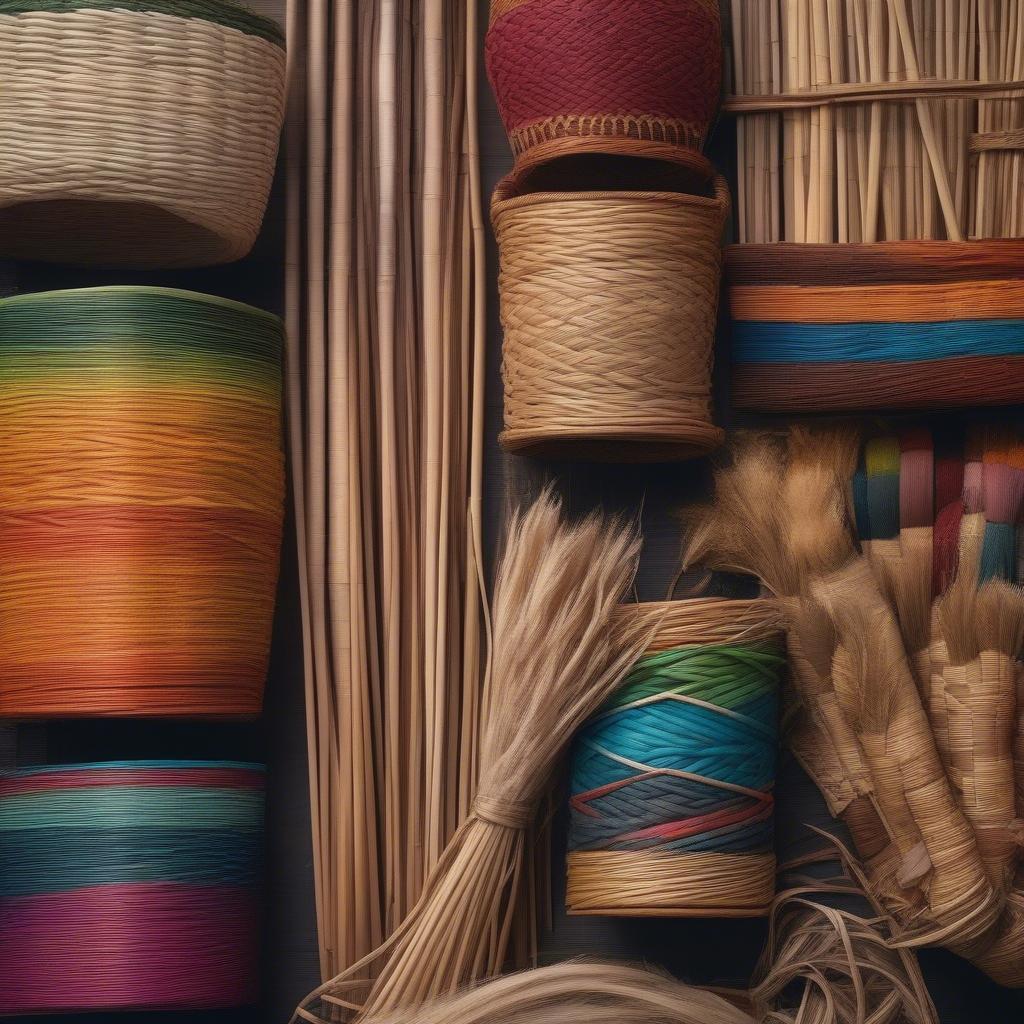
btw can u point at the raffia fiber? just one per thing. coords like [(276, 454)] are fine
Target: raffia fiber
[(609, 303), (936, 886), (559, 650), (135, 138)]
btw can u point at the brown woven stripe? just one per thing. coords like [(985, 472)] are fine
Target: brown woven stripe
[(643, 127)]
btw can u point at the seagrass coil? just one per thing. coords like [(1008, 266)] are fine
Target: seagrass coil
[(136, 132), (609, 305)]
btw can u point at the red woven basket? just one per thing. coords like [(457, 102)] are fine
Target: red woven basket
[(571, 74)]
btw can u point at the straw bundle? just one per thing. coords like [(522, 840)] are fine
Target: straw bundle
[(136, 132), (928, 846), (894, 325), (861, 120), (637, 77), (385, 296), (672, 807), (156, 909), (143, 498), (558, 651), (821, 966), (609, 303)]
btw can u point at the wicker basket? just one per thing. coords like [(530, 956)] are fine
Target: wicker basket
[(891, 325), (136, 132), (571, 74), (609, 303)]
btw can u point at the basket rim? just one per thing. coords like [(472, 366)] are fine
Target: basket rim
[(503, 202), (217, 301), (224, 13), (699, 439), (131, 765)]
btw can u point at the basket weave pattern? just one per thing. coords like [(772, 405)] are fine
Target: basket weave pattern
[(178, 115), (643, 69), (609, 303)]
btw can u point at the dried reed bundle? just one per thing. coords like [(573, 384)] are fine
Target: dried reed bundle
[(559, 649), (790, 529), (821, 966), (385, 297)]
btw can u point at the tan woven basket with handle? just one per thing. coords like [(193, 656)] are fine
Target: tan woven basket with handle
[(136, 133), (609, 302)]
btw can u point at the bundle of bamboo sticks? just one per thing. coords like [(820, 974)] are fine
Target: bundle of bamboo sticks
[(873, 159), (385, 305)]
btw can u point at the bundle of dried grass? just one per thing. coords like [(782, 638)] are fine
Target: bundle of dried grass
[(782, 514), (821, 966), (559, 649)]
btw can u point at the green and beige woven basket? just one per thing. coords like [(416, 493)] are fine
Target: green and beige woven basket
[(140, 132)]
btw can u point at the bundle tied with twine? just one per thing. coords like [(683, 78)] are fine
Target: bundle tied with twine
[(782, 513), (821, 966), (558, 651)]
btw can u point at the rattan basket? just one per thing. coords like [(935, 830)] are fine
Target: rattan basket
[(571, 74), (609, 303), (136, 132)]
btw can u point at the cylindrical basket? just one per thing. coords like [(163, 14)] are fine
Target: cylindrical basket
[(136, 132), (609, 302), (130, 885), (571, 75), (893, 325), (672, 808), (142, 502)]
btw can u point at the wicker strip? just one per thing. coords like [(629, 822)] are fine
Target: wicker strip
[(135, 138), (609, 305)]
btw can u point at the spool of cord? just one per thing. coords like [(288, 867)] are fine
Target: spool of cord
[(130, 885), (672, 807), (143, 497)]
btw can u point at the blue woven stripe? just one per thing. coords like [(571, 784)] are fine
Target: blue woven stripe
[(764, 342)]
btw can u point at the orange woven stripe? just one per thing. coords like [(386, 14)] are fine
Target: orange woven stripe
[(899, 303), (643, 127)]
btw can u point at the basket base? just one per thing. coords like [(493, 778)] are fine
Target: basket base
[(109, 234), (627, 445)]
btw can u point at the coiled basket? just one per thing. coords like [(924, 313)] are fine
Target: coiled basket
[(130, 885), (571, 76), (142, 502), (609, 303), (891, 325), (672, 810), (136, 132)]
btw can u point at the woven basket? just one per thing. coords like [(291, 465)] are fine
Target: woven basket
[(136, 132), (609, 303), (143, 497), (571, 74), (638, 846), (893, 325)]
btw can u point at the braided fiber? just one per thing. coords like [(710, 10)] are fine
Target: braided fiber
[(157, 907), (136, 136), (925, 325), (672, 809), (609, 303), (643, 70), (141, 514)]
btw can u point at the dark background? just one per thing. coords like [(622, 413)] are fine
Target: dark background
[(709, 952)]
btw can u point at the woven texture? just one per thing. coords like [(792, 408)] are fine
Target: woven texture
[(131, 137), (897, 325), (643, 70), (609, 303), (140, 518)]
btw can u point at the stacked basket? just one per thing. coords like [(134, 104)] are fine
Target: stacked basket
[(142, 507), (609, 290)]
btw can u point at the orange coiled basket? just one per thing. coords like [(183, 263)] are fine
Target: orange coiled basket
[(142, 503), (633, 78)]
